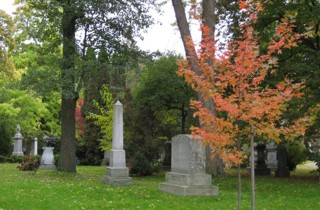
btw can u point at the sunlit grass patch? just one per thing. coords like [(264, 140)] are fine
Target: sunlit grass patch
[(57, 190)]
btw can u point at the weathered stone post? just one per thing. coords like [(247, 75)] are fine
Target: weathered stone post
[(35, 147), (188, 165), (17, 148), (117, 172)]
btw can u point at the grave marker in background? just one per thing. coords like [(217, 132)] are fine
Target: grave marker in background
[(17, 148)]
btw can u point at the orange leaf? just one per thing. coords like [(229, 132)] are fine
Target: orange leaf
[(242, 4)]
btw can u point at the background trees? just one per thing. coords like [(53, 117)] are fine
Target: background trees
[(114, 61), (102, 51), (165, 94), (7, 69), (158, 108), (301, 62), (108, 24), (17, 106)]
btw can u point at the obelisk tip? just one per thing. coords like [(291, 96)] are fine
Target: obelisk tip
[(118, 103)]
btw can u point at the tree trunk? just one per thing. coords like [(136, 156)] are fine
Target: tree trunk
[(67, 161), (185, 33), (208, 13), (252, 168), (208, 19), (213, 166), (239, 175)]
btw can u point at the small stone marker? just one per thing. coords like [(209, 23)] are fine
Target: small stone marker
[(17, 148), (188, 163), (272, 161), (47, 158), (117, 172)]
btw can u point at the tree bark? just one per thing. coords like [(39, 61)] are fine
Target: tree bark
[(67, 161), (208, 7), (215, 166), (185, 33)]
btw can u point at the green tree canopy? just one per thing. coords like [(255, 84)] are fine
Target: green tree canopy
[(103, 23), (21, 107), (302, 62), (164, 93), (7, 69)]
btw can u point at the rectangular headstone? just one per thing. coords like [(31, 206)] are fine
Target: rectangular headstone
[(272, 160), (187, 176), (188, 155)]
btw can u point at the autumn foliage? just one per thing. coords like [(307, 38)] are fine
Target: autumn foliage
[(234, 79), (79, 118)]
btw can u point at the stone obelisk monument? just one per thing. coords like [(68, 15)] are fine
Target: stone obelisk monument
[(117, 172)]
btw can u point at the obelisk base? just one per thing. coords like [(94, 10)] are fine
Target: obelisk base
[(117, 176)]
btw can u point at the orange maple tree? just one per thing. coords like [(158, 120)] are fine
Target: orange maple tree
[(235, 83)]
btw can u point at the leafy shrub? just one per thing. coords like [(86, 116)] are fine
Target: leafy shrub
[(29, 163), (3, 159), (315, 156), (297, 153), (156, 166), (141, 166), (11, 159), (15, 159)]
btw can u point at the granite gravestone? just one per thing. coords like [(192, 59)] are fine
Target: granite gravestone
[(188, 163)]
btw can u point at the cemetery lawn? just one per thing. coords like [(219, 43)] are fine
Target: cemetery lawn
[(57, 190)]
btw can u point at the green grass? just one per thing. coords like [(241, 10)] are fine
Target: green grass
[(84, 190)]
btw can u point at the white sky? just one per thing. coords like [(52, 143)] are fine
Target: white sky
[(7, 5), (162, 36)]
